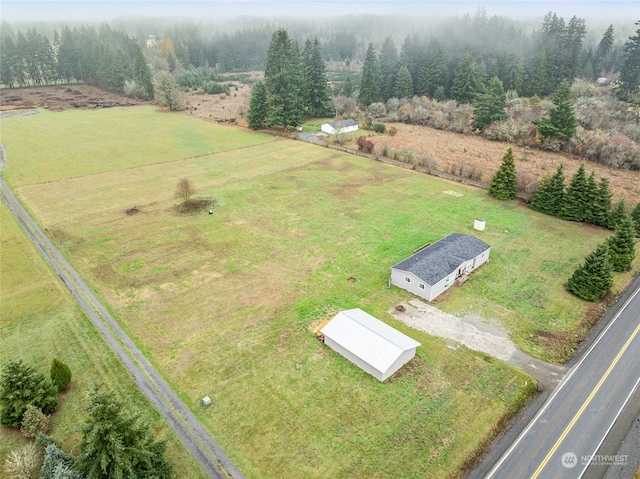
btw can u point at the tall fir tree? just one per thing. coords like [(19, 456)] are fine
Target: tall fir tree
[(601, 209), (347, 87), (622, 245), (284, 77), (630, 71), (635, 216), (142, 74), (549, 197), (618, 213), (388, 68), (562, 121), (490, 105), (404, 85), (575, 206), (504, 183), (591, 194), (593, 279), (257, 116), (433, 72), (371, 78), (604, 47), (117, 444), (466, 83), (317, 91)]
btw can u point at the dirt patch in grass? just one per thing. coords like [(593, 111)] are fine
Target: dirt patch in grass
[(194, 206), (63, 97)]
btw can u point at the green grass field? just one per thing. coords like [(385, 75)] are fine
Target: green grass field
[(223, 304), (39, 321)]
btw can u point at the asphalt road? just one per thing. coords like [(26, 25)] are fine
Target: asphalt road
[(564, 439), (205, 450)]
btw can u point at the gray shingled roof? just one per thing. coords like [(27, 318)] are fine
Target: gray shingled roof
[(343, 123), (440, 259)]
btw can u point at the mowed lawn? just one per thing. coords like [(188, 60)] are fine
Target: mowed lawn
[(224, 304), (39, 321)]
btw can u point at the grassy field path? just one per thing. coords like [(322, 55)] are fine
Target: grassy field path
[(195, 438)]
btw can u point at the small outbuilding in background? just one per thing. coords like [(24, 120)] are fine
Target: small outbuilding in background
[(367, 342), (339, 127)]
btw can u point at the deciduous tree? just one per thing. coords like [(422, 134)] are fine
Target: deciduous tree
[(167, 91), (504, 185), (185, 189)]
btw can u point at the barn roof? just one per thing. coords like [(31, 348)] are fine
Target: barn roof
[(435, 262), (343, 123), (368, 338)]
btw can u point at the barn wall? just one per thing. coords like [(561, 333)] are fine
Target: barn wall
[(403, 359), (354, 359)]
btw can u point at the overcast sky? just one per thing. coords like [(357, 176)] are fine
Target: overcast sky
[(106, 10)]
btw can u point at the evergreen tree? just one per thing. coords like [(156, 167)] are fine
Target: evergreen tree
[(490, 105), (604, 47), (549, 197), (388, 69), (116, 444), (283, 78), (618, 213), (347, 87), (142, 74), (591, 194), (635, 216), (257, 115), (576, 204), (593, 279), (465, 85), (371, 78), (60, 374), (602, 204), (58, 464), (622, 245), (433, 72), (7, 62), (562, 120), (504, 183), (630, 71), (317, 82), (21, 386), (404, 85)]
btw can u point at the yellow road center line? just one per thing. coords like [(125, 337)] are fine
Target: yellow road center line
[(584, 405)]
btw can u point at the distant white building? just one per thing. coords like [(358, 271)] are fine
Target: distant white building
[(339, 127), (367, 342)]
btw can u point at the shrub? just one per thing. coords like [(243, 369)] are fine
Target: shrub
[(34, 422), (20, 386), (56, 463), (22, 463), (364, 144), (386, 149), (392, 131), (60, 374), (379, 127), (377, 110)]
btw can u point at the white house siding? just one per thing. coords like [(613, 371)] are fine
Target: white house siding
[(327, 128), (398, 279)]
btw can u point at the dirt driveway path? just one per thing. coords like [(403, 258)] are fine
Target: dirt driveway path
[(478, 334)]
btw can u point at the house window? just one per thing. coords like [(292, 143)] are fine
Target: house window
[(407, 279), (421, 286)]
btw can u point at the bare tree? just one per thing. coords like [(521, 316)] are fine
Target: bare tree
[(185, 189)]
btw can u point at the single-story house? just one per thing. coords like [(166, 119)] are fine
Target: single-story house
[(339, 127), (367, 342), (432, 270)]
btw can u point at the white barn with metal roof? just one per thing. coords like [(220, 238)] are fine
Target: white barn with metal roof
[(372, 345), (339, 127), (432, 270)]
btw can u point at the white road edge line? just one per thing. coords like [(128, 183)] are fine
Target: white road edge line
[(558, 389), (615, 419)]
